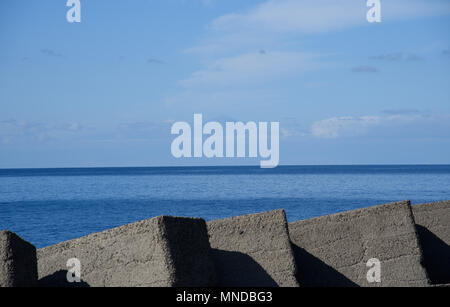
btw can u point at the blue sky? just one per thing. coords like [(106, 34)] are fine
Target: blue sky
[(104, 92)]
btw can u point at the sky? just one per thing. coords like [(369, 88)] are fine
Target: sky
[(106, 91)]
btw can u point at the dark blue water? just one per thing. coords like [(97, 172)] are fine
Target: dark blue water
[(47, 206)]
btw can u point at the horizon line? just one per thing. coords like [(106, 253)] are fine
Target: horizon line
[(223, 166)]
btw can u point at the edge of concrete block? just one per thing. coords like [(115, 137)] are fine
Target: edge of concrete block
[(18, 265), (153, 245)]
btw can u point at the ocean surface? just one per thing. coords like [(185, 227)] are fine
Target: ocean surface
[(48, 206)]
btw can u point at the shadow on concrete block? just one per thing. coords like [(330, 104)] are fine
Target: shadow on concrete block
[(59, 279), (436, 256), (253, 250), (432, 222), (335, 248), (233, 270), (313, 272)]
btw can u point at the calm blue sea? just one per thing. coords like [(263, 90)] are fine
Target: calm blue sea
[(47, 206)]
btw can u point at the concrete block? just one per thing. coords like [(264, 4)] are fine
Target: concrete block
[(253, 250), (18, 266), (334, 250), (163, 251), (433, 226)]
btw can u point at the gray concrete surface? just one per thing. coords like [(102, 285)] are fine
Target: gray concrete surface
[(18, 267), (333, 250), (433, 226), (253, 250), (163, 251)]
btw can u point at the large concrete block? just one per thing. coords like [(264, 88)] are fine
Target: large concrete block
[(433, 227), (253, 250), (18, 266), (163, 251), (334, 250)]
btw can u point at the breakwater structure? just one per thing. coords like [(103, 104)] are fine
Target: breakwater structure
[(409, 243)]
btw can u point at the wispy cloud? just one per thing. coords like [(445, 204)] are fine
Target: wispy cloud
[(262, 45), (234, 43), (414, 57), (397, 56), (400, 111), (364, 69), (324, 15), (14, 130), (144, 131), (272, 20), (402, 124), (32, 132), (252, 68), (388, 57), (298, 16), (155, 61), (343, 126), (207, 2), (50, 52)]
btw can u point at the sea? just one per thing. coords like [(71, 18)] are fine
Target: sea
[(48, 206)]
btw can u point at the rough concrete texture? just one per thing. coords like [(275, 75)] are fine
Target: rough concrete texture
[(334, 250), (163, 251), (433, 226), (18, 267), (253, 250)]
